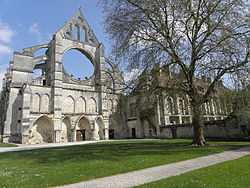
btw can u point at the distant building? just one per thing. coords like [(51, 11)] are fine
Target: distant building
[(151, 107)]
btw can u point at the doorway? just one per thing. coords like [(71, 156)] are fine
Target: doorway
[(80, 135), (111, 134), (83, 130), (150, 133), (133, 133)]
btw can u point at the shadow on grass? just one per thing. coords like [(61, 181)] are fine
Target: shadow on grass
[(116, 151), (65, 165)]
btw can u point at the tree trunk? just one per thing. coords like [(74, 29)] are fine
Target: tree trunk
[(199, 137)]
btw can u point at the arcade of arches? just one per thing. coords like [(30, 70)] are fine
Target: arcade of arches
[(42, 130)]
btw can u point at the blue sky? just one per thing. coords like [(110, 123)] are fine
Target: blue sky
[(25, 23)]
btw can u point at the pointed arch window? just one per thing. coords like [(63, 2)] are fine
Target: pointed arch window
[(170, 104)]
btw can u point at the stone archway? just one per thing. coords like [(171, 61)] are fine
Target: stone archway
[(100, 128), (72, 67), (66, 130), (42, 131), (83, 130)]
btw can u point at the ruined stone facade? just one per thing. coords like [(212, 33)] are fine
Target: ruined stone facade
[(56, 107)]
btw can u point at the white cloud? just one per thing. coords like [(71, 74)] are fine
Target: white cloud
[(6, 33), (5, 50), (34, 28), (128, 76)]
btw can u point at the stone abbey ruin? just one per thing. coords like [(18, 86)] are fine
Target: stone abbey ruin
[(56, 107)]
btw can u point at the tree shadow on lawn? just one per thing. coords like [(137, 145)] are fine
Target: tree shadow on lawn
[(65, 165), (113, 152)]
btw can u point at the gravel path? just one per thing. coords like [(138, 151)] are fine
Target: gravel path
[(156, 173)]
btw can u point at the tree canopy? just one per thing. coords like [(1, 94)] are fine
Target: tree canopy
[(196, 38)]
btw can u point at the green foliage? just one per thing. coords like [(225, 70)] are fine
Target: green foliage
[(240, 102), (65, 165), (234, 173)]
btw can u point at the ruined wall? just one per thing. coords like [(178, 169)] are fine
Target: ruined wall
[(234, 128)]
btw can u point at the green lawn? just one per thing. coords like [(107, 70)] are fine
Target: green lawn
[(228, 174), (7, 145), (65, 165)]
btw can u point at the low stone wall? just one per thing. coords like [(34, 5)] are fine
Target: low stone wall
[(234, 128), (166, 132)]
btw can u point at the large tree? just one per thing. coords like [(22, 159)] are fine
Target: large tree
[(195, 37)]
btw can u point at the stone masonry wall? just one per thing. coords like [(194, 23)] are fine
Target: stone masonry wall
[(235, 129)]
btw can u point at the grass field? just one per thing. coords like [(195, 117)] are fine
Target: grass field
[(65, 165), (235, 173), (7, 145)]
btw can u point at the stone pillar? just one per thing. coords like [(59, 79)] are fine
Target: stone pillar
[(94, 135), (99, 79), (79, 37), (73, 135), (26, 113), (56, 83), (11, 114), (106, 128), (57, 136), (73, 130), (106, 134), (57, 128)]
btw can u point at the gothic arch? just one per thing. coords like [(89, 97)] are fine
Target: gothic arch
[(170, 105), (69, 105), (181, 106), (83, 129), (211, 106), (110, 82), (42, 131), (92, 107), (45, 105), (115, 105), (110, 105), (81, 105), (36, 102)]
